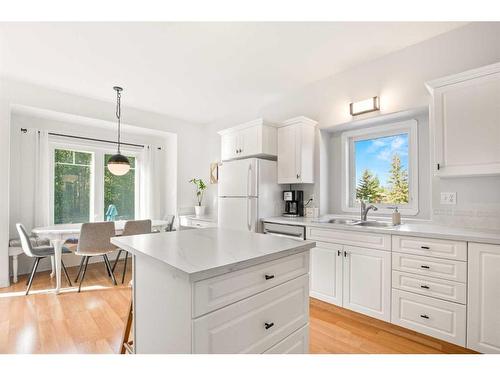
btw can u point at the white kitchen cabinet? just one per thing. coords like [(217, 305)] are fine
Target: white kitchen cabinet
[(465, 122), (483, 310), (255, 138), (326, 272), (367, 282), (296, 151)]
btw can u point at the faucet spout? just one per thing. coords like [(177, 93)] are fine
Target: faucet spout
[(365, 209)]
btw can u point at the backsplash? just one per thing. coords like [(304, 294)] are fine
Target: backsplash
[(472, 218)]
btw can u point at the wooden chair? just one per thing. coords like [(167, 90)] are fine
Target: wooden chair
[(127, 345)]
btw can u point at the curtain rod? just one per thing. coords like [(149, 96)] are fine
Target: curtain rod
[(24, 130)]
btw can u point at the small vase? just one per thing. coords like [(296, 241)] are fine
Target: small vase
[(199, 210)]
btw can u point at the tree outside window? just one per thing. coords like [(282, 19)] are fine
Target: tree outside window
[(119, 191)]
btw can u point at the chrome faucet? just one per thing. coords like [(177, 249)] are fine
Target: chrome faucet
[(365, 209)]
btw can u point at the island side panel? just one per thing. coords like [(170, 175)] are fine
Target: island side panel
[(162, 308)]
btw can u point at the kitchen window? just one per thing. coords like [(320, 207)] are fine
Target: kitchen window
[(83, 190), (380, 167)]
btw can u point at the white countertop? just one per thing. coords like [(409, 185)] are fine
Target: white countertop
[(424, 229), (208, 252)]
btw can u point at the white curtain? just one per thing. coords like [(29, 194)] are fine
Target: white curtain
[(149, 202), (42, 183)]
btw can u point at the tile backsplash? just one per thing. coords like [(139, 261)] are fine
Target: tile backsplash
[(470, 217)]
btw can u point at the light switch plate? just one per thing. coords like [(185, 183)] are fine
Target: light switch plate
[(449, 198)]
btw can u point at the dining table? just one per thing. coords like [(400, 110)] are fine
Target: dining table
[(58, 234)]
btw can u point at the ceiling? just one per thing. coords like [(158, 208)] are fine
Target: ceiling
[(198, 72)]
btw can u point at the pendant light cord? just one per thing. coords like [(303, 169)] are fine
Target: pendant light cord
[(118, 115)]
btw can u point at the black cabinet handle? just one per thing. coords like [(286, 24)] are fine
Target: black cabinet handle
[(269, 277), (424, 316), (345, 254), (425, 247), (268, 325), (338, 253), (424, 266), (424, 286)]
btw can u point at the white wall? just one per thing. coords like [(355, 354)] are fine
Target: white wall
[(190, 148), (398, 79)]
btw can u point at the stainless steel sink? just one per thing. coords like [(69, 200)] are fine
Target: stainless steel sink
[(375, 224), (343, 221)]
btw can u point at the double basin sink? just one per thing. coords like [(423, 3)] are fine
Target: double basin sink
[(373, 224)]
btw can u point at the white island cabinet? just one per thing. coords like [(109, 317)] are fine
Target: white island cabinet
[(216, 290)]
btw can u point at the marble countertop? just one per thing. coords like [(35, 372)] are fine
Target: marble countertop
[(413, 228), (208, 252)]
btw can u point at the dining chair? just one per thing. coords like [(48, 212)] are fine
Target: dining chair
[(131, 228), (95, 241), (37, 252)]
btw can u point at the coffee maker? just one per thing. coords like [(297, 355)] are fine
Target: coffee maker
[(294, 203)]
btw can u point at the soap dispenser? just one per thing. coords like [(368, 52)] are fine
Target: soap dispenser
[(396, 216)]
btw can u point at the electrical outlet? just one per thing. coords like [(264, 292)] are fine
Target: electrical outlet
[(449, 198)]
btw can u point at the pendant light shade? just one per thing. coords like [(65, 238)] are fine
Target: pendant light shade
[(118, 164)]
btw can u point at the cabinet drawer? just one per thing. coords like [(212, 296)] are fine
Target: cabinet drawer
[(296, 343), (456, 250), (354, 238), (441, 319), (255, 324), (220, 291), (430, 286), (202, 223), (440, 268)]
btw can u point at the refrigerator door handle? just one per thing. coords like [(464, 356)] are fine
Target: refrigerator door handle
[(249, 213), (249, 173)]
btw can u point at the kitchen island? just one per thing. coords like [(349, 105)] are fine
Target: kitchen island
[(216, 290)]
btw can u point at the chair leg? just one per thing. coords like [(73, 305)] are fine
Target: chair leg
[(66, 273), (126, 332), (32, 276), (79, 270), (116, 260), (108, 266), (83, 274), (31, 272), (125, 267)]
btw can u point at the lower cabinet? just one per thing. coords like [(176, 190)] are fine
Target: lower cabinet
[(296, 343), (356, 278), (483, 321), (326, 272), (367, 282)]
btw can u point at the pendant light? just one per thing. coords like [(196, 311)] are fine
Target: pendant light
[(118, 164)]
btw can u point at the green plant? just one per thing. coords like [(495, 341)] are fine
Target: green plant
[(200, 188)]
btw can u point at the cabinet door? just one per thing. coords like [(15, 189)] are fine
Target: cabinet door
[(229, 146), (287, 155), (326, 273), (251, 141), (367, 281), (467, 132), (483, 310)]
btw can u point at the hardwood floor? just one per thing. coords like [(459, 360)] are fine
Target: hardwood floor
[(92, 321)]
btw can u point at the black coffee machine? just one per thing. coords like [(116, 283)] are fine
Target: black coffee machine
[(294, 203)]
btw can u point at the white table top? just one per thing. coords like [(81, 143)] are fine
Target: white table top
[(209, 252), (75, 228)]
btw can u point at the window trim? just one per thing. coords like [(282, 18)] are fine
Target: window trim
[(386, 130), (96, 212)]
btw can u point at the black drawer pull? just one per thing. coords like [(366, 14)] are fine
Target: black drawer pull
[(424, 286), (425, 247), (424, 316), (424, 266), (269, 277), (268, 325)]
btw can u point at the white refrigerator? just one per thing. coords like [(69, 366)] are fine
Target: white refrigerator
[(248, 191)]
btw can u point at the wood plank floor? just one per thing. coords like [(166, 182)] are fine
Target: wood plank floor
[(92, 321)]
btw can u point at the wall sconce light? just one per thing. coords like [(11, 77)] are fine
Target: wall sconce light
[(364, 106)]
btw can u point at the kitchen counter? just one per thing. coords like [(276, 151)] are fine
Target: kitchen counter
[(209, 252), (216, 290), (416, 229)]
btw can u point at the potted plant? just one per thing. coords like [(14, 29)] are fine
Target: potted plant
[(200, 188)]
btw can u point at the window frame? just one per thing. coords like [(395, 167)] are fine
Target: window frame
[(348, 177), (96, 212)]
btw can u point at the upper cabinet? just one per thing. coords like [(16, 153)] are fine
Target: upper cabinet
[(296, 151), (255, 138), (465, 119)]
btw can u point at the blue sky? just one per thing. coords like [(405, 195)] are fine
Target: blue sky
[(376, 155)]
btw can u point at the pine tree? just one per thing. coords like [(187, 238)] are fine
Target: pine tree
[(398, 182), (369, 188)]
